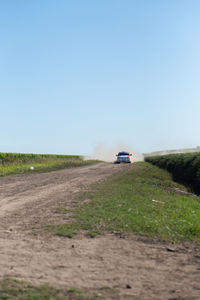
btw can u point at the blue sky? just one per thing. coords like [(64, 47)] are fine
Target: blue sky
[(77, 73)]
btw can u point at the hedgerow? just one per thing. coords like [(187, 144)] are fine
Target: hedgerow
[(185, 168)]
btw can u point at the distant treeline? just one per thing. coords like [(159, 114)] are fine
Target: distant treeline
[(185, 168), (16, 158)]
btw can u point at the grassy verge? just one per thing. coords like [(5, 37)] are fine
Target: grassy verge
[(145, 201), (44, 166), (11, 289)]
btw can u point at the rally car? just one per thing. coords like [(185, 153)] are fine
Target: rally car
[(123, 157)]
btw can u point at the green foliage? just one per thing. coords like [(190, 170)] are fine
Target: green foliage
[(18, 158), (144, 201), (185, 168), (17, 163)]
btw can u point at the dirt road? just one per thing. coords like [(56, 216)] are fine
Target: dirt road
[(151, 269)]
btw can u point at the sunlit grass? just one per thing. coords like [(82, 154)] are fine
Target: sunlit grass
[(45, 166), (143, 201)]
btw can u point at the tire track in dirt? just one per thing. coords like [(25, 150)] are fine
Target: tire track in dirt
[(23, 197)]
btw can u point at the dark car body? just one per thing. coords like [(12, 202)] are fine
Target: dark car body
[(123, 157)]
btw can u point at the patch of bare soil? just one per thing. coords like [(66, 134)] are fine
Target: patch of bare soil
[(122, 267)]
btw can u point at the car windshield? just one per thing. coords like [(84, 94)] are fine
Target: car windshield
[(123, 153)]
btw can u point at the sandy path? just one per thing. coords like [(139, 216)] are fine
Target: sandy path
[(152, 271)]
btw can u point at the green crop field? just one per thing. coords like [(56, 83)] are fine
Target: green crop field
[(17, 163), (185, 168), (13, 158)]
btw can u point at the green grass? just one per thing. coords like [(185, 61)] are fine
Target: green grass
[(45, 164), (144, 201), (12, 289)]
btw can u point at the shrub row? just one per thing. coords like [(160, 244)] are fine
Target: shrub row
[(185, 168), (15, 158)]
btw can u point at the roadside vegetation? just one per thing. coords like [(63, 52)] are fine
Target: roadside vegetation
[(144, 200), (12, 289), (17, 163), (185, 168)]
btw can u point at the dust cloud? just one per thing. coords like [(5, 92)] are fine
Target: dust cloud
[(108, 154)]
